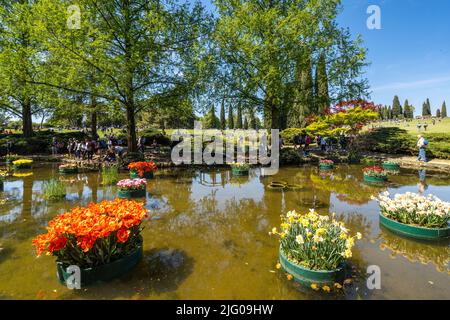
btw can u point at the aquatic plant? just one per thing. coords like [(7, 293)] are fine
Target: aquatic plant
[(414, 209), (94, 235), (110, 175), (314, 241), (53, 189)]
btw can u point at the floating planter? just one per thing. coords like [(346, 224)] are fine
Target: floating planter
[(284, 186), (104, 272), (132, 188), (308, 277), (90, 231), (391, 166), (68, 169), (22, 164), (53, 190), (375, 174), (415, 216), (240, 169), (142, 169), (326, 164), (314, 249)]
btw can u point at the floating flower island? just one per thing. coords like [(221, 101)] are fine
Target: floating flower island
[(132, 188), (326, 164), (240, 169), (142, 169), (22, 164), (375, 174), (415, 216), (68, 169), (391, 165), (314, 249), (103, 240)]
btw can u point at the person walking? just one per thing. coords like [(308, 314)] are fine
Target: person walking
[(419, 125), (425, 126), (421, 144)]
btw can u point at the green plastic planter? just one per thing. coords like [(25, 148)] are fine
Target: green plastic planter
[(105, 272), (239, 172), (135, 174), (68, 170), (372, 179), (414, 231), (391, 166), (22, 167), (326, 166), (133, 193), (307, 277)]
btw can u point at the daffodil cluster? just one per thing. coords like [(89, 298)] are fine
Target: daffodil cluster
[(414, 209), (315, 241), (22, 162)]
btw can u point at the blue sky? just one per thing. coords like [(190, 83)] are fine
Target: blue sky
[(410, 54)]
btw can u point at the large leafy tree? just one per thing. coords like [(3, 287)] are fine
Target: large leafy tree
[(19, 62), (265, 45), (126, 52)]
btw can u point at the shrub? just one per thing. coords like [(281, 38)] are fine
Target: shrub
[(288, 135), (151, 134), (290, 157)]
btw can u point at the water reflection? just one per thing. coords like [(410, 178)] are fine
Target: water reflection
[(207, 234)]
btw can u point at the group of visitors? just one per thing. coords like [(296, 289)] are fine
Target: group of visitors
[(108, 150), (325, 144)]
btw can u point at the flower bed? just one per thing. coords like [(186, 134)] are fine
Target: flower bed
[(22, 164), (414, 215), (314, 248), (142, 169), (68, 169), (326, 164), (391, 165), (375, 174), (132, 188), (93, 237), (239, 168)]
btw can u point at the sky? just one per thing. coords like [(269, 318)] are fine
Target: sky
[(409, 55)]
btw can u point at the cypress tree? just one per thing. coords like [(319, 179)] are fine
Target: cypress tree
[(428, 107), (444, 110), (239, 117), (211, 119), (303, 105), (321, 86), (245, 123), (424, 109), (438, 113), (406, 110), (230, 118), (223, 123), (253, 120), (389, 113), (396, 108)]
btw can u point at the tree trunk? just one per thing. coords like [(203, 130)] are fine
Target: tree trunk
[(93, 117), (27, 122), (131, 128)]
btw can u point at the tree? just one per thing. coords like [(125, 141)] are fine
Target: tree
[(321, 85), (19, 61), (262, 44), (239, 117), (139, 49), (210, 120), (396, 108), (438, 113), (304, 94), (444, 110), (230, 117), (426, 108), (223, 123), (407, 110), (245, 123)]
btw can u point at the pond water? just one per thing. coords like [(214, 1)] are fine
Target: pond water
[(207, 236)]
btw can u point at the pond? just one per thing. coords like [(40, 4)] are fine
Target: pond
[(207, 235)]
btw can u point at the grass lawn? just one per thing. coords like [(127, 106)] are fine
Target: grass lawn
[(411, 127)]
